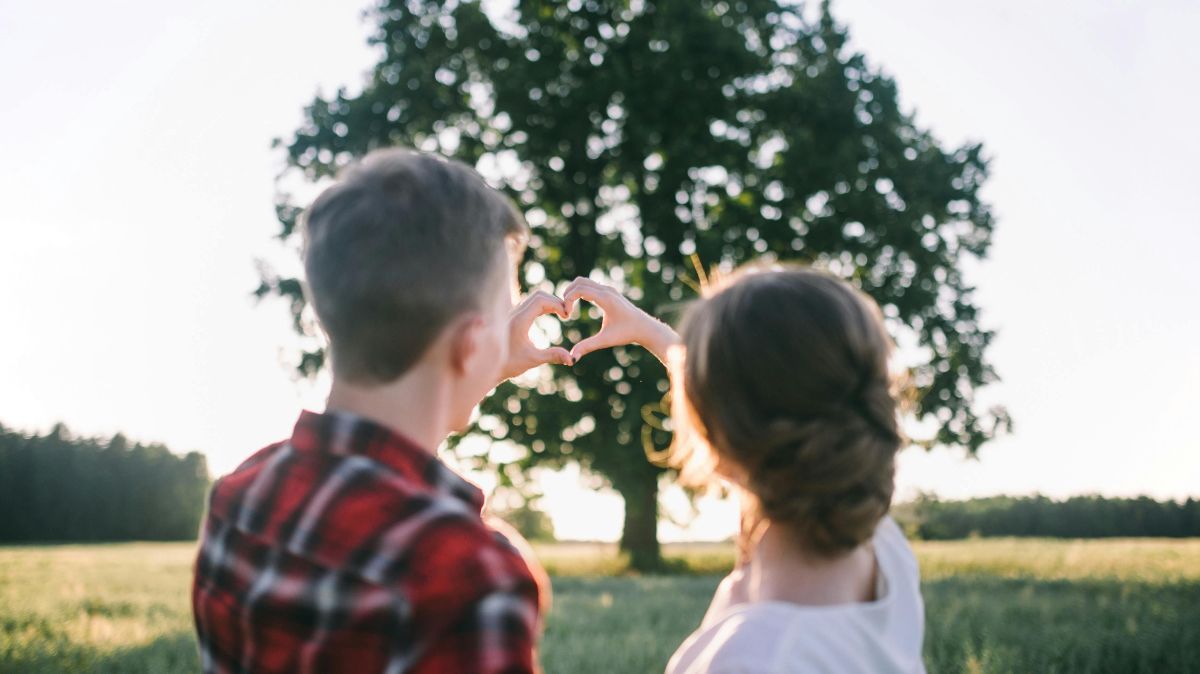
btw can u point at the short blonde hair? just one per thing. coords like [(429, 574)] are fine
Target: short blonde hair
[(401, 245)]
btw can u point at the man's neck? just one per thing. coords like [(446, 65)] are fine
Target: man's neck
[(413, 406)]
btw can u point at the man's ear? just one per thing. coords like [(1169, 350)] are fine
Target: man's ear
[(464, 341)]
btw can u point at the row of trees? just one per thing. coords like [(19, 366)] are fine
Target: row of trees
[(1076, 517), (59, 487)]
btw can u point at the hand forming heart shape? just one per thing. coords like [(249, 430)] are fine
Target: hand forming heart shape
[(522, 354), (622, 323)]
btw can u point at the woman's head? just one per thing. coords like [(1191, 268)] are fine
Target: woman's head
[(785, 388)]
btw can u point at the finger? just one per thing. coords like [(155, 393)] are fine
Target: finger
[(556, 354), (585, 282), (540, 303), (589, 290), (570, 295), (594, 343), (581, 282)]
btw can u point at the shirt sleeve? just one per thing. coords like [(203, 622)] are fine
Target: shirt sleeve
[(476, 608), (493, 635)]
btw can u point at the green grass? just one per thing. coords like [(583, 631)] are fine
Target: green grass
[(96, 608), (997, 605)]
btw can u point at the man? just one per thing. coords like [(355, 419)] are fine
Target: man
[(349, 547)]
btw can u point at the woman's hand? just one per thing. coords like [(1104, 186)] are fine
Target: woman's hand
[(623, 322), (522, 354)]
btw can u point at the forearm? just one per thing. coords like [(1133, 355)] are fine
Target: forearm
[(659, 339)]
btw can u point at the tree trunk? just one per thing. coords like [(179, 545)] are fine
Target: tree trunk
[(639, 538)]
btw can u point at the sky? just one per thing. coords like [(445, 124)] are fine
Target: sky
[(137, 189)]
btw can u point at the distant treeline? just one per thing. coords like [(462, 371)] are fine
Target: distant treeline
[(1076, 517), (57, 487)]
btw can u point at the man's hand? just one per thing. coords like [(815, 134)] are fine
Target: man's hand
[(623, 322), (522, 354)]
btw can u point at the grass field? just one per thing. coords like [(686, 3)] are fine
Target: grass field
[(1000, 605)]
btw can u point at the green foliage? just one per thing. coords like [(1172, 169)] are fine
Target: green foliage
[(1149, 560), (606, 625), (648, 140), (530, 521), (992, 606), (1134, 560), (1076, 517), (584, 558), (58, 487), (986, 624)]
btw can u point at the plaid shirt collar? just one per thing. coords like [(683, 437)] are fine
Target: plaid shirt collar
[(344, 433)]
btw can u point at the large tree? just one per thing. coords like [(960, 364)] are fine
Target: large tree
[(648, 141)]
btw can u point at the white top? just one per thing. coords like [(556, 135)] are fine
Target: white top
[(877, 637)]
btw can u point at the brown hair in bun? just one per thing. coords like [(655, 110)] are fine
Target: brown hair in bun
[(785, 381)]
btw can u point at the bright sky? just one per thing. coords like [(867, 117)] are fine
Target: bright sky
[(137, 193)]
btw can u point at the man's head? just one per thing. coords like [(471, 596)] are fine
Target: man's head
[(407, 250)]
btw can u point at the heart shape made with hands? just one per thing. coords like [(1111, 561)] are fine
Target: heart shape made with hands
[(618, 325)]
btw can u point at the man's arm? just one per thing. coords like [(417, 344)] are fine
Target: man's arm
[(494, 634), (475, 604)]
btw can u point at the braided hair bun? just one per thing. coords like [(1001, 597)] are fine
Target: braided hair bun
[(785, 383)]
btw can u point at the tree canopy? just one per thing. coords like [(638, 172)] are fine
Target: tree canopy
[(648, 142)]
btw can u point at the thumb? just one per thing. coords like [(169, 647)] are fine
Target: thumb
[(593, 343), (556, 354)]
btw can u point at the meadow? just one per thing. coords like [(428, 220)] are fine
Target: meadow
[(993, 605)]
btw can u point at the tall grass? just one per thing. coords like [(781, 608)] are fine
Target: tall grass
[(995, 605), (96, 608)]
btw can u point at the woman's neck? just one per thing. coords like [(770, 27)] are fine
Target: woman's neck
[(781, 568)]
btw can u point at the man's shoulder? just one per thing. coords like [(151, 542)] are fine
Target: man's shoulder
[(463, 550), (432, 548), (226, 490), (356, 515)]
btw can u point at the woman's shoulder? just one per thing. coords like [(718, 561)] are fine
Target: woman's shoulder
[(883, 635), (741, 639), (893, 552), (773, 637)]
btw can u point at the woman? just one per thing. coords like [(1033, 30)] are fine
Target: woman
[(781, 386)]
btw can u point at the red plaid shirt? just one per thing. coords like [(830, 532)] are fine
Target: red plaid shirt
[(350, 549)]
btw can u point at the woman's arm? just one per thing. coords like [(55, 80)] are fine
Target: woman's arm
[(623, 322)]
